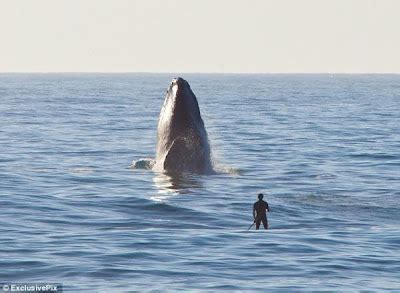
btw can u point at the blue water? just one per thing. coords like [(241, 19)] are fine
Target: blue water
[(325, 149)]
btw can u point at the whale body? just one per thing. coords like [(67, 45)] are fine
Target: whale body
[(182, 142)]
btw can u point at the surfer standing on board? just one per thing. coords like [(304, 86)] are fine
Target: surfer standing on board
[(260, 209)]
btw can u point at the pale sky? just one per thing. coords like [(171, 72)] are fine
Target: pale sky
[(293, 36)]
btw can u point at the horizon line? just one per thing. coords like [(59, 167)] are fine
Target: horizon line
[(198, 72)]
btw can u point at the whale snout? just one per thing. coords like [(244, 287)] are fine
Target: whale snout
[(179, 82), (178, 89)]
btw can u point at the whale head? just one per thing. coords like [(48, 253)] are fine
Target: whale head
[(182, 143)]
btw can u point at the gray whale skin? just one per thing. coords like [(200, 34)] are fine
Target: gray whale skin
[(182, 143)]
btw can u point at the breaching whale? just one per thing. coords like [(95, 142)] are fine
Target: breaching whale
[(182, 142)]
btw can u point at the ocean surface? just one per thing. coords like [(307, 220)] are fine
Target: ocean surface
[(325, 150)]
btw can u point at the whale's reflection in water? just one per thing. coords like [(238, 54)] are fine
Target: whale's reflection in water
[(174, 184)]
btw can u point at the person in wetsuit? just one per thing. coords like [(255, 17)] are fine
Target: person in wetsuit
[(260, 209)]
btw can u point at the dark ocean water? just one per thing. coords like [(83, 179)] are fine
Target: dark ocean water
[(325, 149)]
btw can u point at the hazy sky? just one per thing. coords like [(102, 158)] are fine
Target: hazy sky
[(200, 36)]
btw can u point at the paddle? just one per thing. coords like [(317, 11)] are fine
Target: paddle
[(251, 225)]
